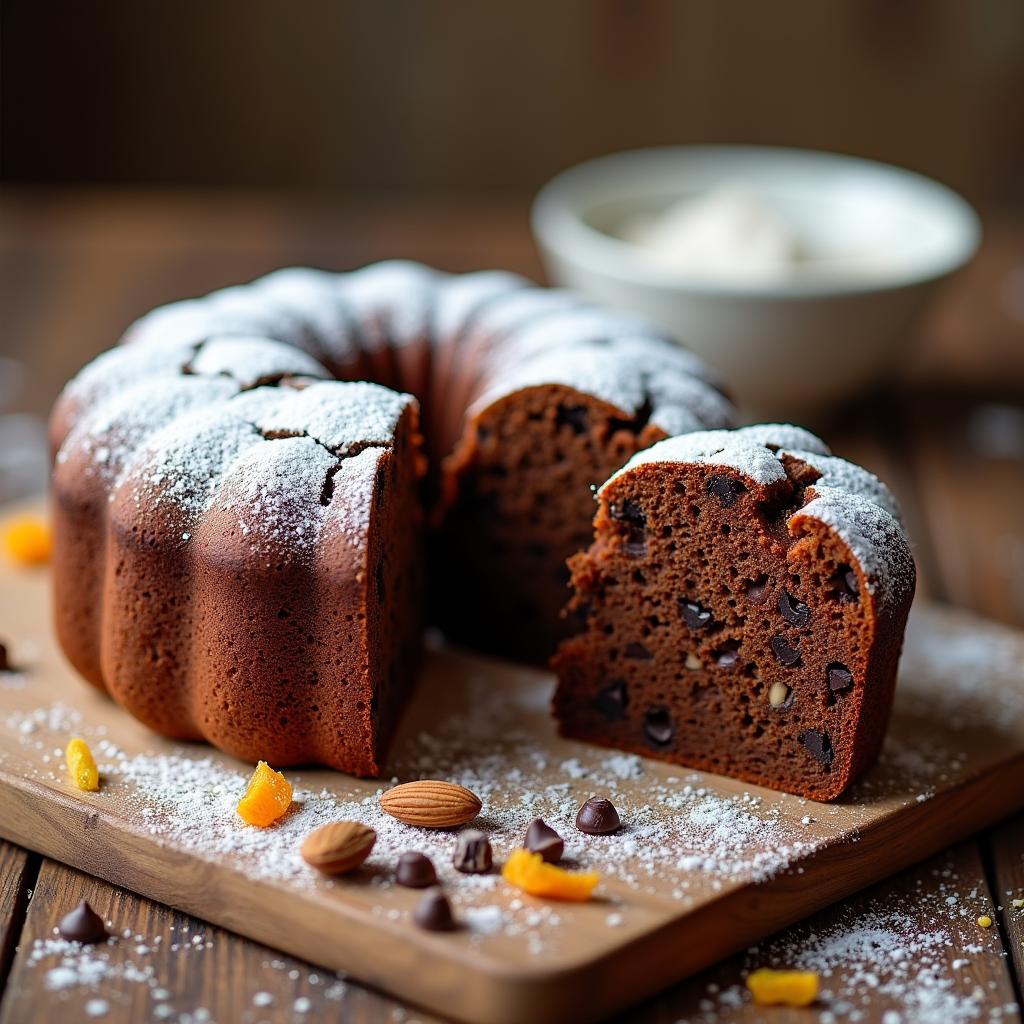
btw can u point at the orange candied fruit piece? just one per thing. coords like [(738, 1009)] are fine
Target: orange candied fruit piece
[(267, 797), (529, 872), (27, 540), (82, 766), (783, 988)]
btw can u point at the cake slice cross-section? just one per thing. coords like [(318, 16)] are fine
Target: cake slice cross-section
[(741, 611)]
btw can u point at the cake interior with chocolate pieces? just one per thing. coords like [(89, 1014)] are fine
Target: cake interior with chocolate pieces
[(742, 611)]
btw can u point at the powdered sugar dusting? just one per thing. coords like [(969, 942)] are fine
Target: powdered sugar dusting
[(567, 329), (746, 450), (354, 483), (393, 301), (141, 401), (682, 404), (971, 680), (112, 372), (687, 837), (182, 465), (272, 490), (671, 826), (338, 415), (518, 308), (104, 442), (249, 360), (920, 959), (849, 500), (139, 970), (461, 297), (875, 539), (263, 458), (588, 373)]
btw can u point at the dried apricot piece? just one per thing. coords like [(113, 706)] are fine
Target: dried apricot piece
[(82, 765), (268, 796), (783, 988), (27, 540), (529, 872)]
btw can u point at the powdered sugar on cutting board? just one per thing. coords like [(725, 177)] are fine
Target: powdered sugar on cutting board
[(686, 835), (921, 959), (131, 970), (677, 828)]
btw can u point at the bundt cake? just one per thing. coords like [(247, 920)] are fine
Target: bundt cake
[(239, 513), (745, 598)]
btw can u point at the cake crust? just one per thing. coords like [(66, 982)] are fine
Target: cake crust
[(245, 492)]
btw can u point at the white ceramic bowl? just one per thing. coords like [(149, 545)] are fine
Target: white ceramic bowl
[(785, 348)]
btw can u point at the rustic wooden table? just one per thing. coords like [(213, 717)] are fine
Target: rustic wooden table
[(947, 432)]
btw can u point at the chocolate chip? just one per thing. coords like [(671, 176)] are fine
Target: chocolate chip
[(613, 700), (5, 665), (598, 817), (845, 584), (694, 615), (793, 609), (840, 678), (658, 727), (819, 744), (83, 925), (543, 839), (628, 512), (574, 416), (473, 853), (784, 654), (726, 489), (637, 651), (415, 871), (755, 589), (434, 912)]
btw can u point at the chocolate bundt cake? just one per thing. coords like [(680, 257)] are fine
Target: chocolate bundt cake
[(240, 517), (744, 604)]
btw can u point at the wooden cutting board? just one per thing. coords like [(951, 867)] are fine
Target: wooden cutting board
[(703, 866)]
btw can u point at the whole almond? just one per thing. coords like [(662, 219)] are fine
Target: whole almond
[(430, 803), (339, 847)]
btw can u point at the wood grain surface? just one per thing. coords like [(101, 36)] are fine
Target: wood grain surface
[(75, 268), (17, 870), (165, 964)]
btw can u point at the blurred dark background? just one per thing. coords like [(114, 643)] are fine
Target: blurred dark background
[(469, 97), (150, 151)]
